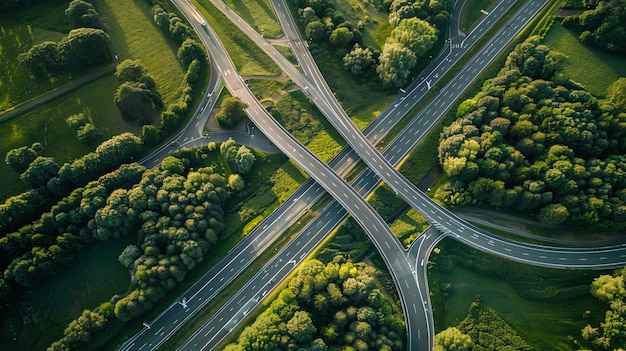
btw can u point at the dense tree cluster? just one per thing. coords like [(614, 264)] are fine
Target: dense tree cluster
[(85, 130), (83, 14), (602, 24), (179, 215), (82, 48), (611, 334), (232, 110), (406, 44), (38, 249), (323, 24), (108, 156), (239, 158), (417, 25), (534, 141), (137, 96), (482, 330), (80, 332), (326, 307)]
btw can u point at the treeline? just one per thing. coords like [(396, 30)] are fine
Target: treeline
[(534, 141), (84, 47), (193, 58), (602, 24), (417, 25), (482, 330), (611, 333), (326, 307), (47, 187), (177, 212)]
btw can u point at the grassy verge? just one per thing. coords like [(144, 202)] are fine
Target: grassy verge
[(247, 57), (472, 14), (294, 111), (287, 53), (543, 305), (259, 14), (593, 68)]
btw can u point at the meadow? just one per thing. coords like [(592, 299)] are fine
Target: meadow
[(595, 69), (543, 305)]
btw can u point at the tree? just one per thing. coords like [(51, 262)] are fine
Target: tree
[(150, 135), (129, 255), (83, 14), (190, 50), (395, 65), (452, 339), (359, 60), (414, 34), (135, 100), (39, 172), (84, 47), (236, 182), (130, 71), (607, 287), (41, 58), (19, 159), (553, 214), (231, 111), (341, 37), (315, 31), (301, 327), (244, 159), (88, 134), (76, 121)]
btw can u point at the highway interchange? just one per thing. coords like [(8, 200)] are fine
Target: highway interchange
[(298, 249)]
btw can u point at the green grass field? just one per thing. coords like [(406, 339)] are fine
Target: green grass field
[(247, 57), (471, 14), (593, 68), (259, 15), (19, 30), (42, 312), (544, 325)]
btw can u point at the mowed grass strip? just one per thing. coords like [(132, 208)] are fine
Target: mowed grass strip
[(135, 36), (471, 14), (259, 14), (19, 31), (593, 68), (247, 57)]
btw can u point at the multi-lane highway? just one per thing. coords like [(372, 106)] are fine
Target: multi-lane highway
[(322, 173), (486, 243)]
